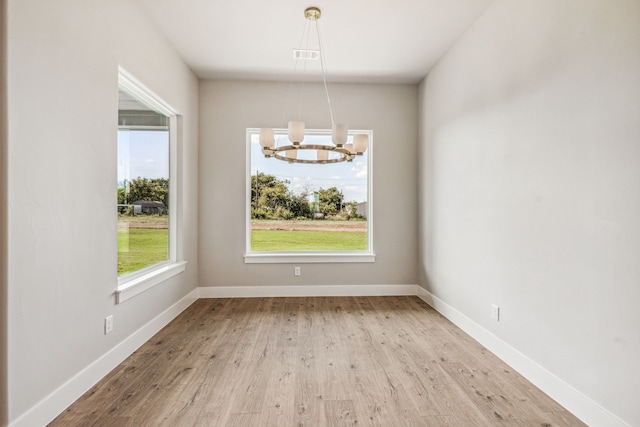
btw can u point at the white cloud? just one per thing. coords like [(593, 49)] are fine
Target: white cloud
[(357, 167), (362, 173)]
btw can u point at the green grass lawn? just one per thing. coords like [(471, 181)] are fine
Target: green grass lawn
[(141, 247), (307, 241)]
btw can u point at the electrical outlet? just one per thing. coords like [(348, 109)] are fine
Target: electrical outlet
[(296, 271), (495, 312), (108, 324)]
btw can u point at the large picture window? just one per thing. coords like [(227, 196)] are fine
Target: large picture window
[(313, 211), (145, 200)]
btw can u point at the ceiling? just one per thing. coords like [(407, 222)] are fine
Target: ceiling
[(366, 41)]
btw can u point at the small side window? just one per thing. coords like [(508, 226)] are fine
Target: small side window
[(145, 181)]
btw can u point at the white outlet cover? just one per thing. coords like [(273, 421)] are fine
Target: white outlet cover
[(495, 312), (108, 324)]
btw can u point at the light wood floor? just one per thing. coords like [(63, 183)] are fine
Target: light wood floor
[(381, 361)]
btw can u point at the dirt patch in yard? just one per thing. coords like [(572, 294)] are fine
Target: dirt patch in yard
[(143, 221), (346, 226)]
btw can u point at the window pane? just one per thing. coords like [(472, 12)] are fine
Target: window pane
[(143, 198), (298, 207)]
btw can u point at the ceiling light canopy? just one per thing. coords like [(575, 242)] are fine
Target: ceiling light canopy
[(296, 128)]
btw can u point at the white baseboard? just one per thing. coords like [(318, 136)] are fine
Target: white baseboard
[(573, 400), (61, 398), (306, 291)]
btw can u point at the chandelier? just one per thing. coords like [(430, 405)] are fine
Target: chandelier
[(335, 151)]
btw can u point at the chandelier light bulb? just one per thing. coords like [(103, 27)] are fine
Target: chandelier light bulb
[(360, 143), (267, 139), (339, 134), (296, 132)]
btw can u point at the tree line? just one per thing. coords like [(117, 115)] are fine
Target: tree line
[(271, 198), (152, 190)]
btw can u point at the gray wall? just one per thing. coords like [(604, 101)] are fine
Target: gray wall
[(3, 215), (228, 108), (529, 187), (63, 98)]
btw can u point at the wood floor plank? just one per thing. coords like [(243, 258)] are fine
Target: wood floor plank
[(254, 378), (113, 422), (334, 361), (465, 411), (379, 400), (328, 354), (307, 397), (279, 407), (339, 413), (243, 420), (360, 353), (287, 328)]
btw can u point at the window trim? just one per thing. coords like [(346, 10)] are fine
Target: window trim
[(157, 274), (139, 281), (308, 257), (367, 256)]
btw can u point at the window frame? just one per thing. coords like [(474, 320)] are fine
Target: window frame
[(134, 283), (251, 257)]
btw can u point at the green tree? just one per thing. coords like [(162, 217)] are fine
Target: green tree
[(153, 190), (268, 192), (299, 206), (271, 198), (122, 196), (330, 200)]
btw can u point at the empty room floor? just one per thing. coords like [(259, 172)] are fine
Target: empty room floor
[(322, 361)]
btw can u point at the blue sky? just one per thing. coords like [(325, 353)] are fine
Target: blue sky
[(350, 177), (143, 153)]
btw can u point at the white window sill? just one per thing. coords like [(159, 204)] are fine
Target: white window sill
[(307, 258), (132, 287)]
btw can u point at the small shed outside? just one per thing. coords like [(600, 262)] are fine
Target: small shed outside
[(148, 207)]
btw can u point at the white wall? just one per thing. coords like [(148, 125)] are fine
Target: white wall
[(63, 100), (228, 108), (529, 195)]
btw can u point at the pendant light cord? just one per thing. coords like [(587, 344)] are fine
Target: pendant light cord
[(287, 105), (324, 76), (305, 36)]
